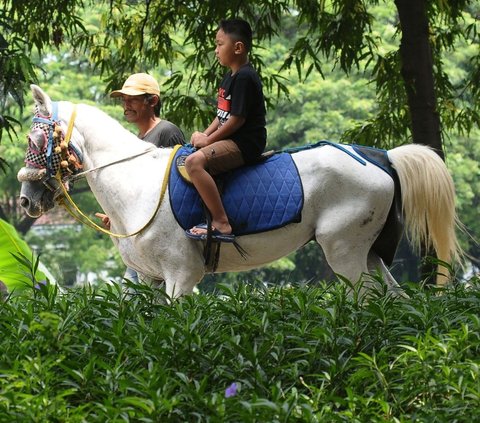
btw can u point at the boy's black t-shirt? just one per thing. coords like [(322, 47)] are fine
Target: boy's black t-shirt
[(242, 95)]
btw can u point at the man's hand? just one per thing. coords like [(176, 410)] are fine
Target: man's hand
[(105, 219)]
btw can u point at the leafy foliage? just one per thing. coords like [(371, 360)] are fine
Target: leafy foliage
[(123, 37), (29, 26), (465, 162), (293, 354), (73, 249), (13, 254)]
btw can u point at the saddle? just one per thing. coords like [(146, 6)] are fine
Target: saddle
[(258, 197)]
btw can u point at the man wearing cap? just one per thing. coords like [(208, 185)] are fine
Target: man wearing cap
[(140, 96)]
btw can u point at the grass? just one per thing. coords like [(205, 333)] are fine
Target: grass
[(294, 354)]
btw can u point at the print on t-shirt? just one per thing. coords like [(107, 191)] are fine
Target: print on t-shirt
[(223, 106)]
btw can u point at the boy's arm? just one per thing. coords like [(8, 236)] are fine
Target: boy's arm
[(223, 133), (197, 136), (227, 129), (212, 127)]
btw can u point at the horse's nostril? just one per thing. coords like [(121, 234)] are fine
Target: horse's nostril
[(24, 202)]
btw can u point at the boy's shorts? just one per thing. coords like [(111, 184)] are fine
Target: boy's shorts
[(222, 156)]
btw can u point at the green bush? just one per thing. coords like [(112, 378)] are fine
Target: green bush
[(245, 353)]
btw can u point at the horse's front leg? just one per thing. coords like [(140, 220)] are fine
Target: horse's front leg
[(180, 280), (177, 260)]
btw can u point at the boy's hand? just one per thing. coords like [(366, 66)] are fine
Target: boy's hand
[(199, 139), (105, 219)]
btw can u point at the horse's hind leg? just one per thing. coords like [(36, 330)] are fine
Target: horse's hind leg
[(345, 259), (357, 266), (347, 250), (377, 266)]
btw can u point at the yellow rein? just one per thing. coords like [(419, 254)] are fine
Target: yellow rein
[(67, 201)]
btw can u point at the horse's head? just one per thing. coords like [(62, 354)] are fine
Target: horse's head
[(50, 158)]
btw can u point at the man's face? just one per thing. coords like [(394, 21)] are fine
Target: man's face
[(135, 107)]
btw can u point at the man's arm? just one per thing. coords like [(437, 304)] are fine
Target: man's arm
[(105, 219)]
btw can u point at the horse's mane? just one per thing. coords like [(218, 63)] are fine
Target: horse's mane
[(102, 115), (99, 121)]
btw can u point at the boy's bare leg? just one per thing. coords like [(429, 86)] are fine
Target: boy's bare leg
[(206, 187)]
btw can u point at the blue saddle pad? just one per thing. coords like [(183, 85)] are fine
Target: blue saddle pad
[(256, 198)]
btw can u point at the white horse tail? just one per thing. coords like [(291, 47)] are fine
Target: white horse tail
[(428, 197)]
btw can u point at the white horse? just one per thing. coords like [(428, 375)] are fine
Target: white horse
[(346, 203)]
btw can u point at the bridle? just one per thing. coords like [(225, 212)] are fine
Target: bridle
[(57, 157)]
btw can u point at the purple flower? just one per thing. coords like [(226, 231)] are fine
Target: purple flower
[(231, 391), (37, 286)]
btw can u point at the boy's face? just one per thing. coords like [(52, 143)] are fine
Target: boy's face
[(226, 49)]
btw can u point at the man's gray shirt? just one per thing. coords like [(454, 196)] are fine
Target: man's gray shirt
[(165, 134)]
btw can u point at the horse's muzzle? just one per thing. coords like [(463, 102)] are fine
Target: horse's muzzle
[(30, 174), (39, 191)]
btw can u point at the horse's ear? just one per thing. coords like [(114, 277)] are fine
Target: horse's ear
[(42, 100)]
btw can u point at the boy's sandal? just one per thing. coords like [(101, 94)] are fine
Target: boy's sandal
[(216, 234)]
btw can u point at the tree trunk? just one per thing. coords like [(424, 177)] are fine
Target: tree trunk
[(417, 72)]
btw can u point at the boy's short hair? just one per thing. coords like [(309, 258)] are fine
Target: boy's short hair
[(239, 30)]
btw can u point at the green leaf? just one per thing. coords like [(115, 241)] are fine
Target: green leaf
[(16, 260)]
